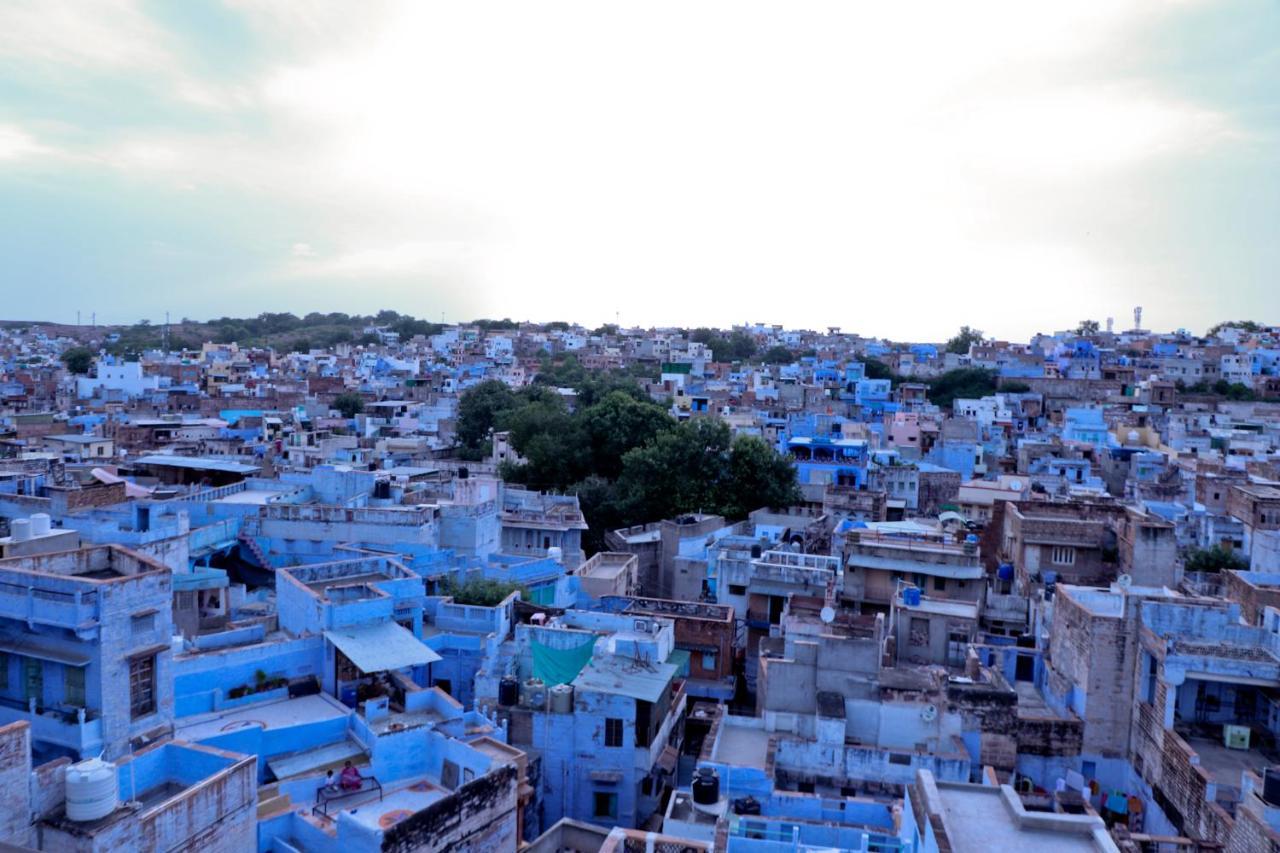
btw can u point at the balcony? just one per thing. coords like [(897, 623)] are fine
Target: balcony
[(71, 728), (76, 610)]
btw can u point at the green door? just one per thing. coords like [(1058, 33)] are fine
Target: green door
[(33, 678)]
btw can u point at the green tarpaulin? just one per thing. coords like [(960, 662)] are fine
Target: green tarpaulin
[(560, 666)]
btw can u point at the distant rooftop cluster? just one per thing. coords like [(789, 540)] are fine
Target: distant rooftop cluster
[(1023, 596)]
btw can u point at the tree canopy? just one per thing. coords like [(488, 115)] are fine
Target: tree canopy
[(78, 359), (963, 340), (349, 404), (625, 457), (1215, 559)]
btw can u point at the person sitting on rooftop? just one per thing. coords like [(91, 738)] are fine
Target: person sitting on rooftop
[(350, 779)]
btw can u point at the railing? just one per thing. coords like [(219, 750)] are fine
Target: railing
[(325, 797), (218, 493), (343, 515), (48, 607), (77, 729), (214, 534)]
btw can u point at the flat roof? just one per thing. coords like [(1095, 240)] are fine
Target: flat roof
[(980, 818), (624, 676), (281, 713), (201, 463), (76, 438)]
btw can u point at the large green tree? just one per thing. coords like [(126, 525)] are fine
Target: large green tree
[(478, 411), (617, 424), (964, 338), (698, 466), (78, 359), (349, 404)]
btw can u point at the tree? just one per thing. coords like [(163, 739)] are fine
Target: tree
[(78, 359), (1247, 326), (1215, 559), (778, 355), (698, 466), (965, 338), (759, 476), (965, 382), (349, 404), (479, 409), (617, 424), (874, 368), (1087, 327)]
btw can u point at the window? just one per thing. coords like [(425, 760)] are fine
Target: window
[(142, 623), (919, 632), (708, 661), (142, 686), (737, 589), (1063, 556), (1149, 689), (939, 584), (612, 732), (73, 686), (4, 671), (606, 805)]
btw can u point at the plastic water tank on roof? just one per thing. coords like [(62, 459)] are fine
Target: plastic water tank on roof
[(92, 789)]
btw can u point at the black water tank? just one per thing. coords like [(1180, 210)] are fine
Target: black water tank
[(508, 692), (756, 551), (463, 473), (1271, 785), (706, 787), (746, 806)]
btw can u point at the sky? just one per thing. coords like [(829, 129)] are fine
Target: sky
[(895, 169)]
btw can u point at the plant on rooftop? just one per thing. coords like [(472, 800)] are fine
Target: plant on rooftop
[(479, 592), (1215, 559)]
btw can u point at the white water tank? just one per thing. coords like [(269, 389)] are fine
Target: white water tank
[(20, 529), (535, 693), (562, 699), (40, 524), (93, 789), (556, 554)]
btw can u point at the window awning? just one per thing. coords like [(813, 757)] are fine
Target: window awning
[(381, 647), (29, 648)]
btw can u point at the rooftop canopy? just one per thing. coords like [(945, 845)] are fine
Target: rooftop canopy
[(381, 647)]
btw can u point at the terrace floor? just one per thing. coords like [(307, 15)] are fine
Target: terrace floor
[(281, 713), (740, 746), (1225, 765)]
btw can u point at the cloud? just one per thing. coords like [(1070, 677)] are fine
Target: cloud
[(16, 143), (385, 260), (677, 162)]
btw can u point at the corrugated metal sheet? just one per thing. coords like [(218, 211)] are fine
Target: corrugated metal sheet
[(381, 647)]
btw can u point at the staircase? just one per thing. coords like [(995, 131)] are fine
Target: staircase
[(251, 543)]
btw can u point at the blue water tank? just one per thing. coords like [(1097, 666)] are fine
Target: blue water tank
[(1005, 572), (911, 596)]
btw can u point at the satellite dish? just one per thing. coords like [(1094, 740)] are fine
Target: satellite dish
[(828, 615), (1016, 485), (1124, 581), (929, 713)]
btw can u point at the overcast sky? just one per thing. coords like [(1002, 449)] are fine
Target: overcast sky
[(896, 169)]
